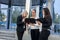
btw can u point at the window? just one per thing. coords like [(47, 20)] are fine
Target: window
[(4, 6), (3, 18), (16, 11)]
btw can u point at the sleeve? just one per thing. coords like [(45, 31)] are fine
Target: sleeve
[(19, 21), (46, 22), (27, 20)]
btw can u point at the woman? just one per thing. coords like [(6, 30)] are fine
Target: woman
[(46, 22), (33, 27), (21, 25)]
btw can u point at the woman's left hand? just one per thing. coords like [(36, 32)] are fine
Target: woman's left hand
[(38, 22), (31, 24)]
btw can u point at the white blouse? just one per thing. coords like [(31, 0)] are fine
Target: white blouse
[(36, 26)]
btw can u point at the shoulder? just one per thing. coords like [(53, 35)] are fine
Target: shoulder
[(48, 18)]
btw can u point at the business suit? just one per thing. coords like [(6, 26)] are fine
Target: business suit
[(20, 27), (46, 23)]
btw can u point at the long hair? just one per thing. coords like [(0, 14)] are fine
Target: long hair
[(47, 13)]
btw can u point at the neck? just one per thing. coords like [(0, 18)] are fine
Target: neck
[(43, 16), (23, 16), (33, 16)]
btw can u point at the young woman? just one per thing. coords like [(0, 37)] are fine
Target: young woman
[(46, 22), (34, 29), (21, 25)]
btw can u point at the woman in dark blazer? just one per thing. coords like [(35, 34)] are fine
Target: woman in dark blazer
[(21, 26), (46, 22)]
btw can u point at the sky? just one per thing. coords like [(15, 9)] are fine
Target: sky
[(56, 6)]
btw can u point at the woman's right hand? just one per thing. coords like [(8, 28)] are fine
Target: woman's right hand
[(31, 24), (27, 24), (38, 22)]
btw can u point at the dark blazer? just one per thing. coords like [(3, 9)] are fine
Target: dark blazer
[(46, 22), (20, 24)]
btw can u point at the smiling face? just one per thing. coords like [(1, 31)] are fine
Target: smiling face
[(33, 13), (25, 14), (43, 13)]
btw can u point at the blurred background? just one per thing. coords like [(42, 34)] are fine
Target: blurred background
[(11, 9)]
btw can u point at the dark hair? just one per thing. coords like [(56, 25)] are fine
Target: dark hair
[(48, 16), (34, 10), (47, 12)]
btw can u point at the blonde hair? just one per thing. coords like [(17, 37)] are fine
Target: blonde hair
[(24, 12)]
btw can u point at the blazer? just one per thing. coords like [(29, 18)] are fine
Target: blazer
[(46, 23), (20, 24)]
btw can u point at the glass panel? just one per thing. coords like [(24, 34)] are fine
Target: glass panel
[(3, 19), (57, 23), (4, 6), (16, 11)]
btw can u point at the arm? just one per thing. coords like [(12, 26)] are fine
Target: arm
[(38, 25), (19, 20), (46, 22)]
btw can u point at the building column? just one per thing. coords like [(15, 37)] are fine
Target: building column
[(28, 6), (37, 11), (9, 14), (0, 13), (40, 8), (50, 6)]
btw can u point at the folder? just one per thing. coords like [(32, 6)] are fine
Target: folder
[(30, 20)]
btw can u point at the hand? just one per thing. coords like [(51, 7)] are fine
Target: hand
[(38, 22), (31, 24), (23, 19), (27, 24)]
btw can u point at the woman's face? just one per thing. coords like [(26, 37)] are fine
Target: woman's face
[(43, 13), (24, 14), (33, 13)]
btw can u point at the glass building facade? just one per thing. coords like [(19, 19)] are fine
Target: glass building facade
[(9, 12)]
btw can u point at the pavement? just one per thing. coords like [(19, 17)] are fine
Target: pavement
[(51, 37), (11, 35)]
